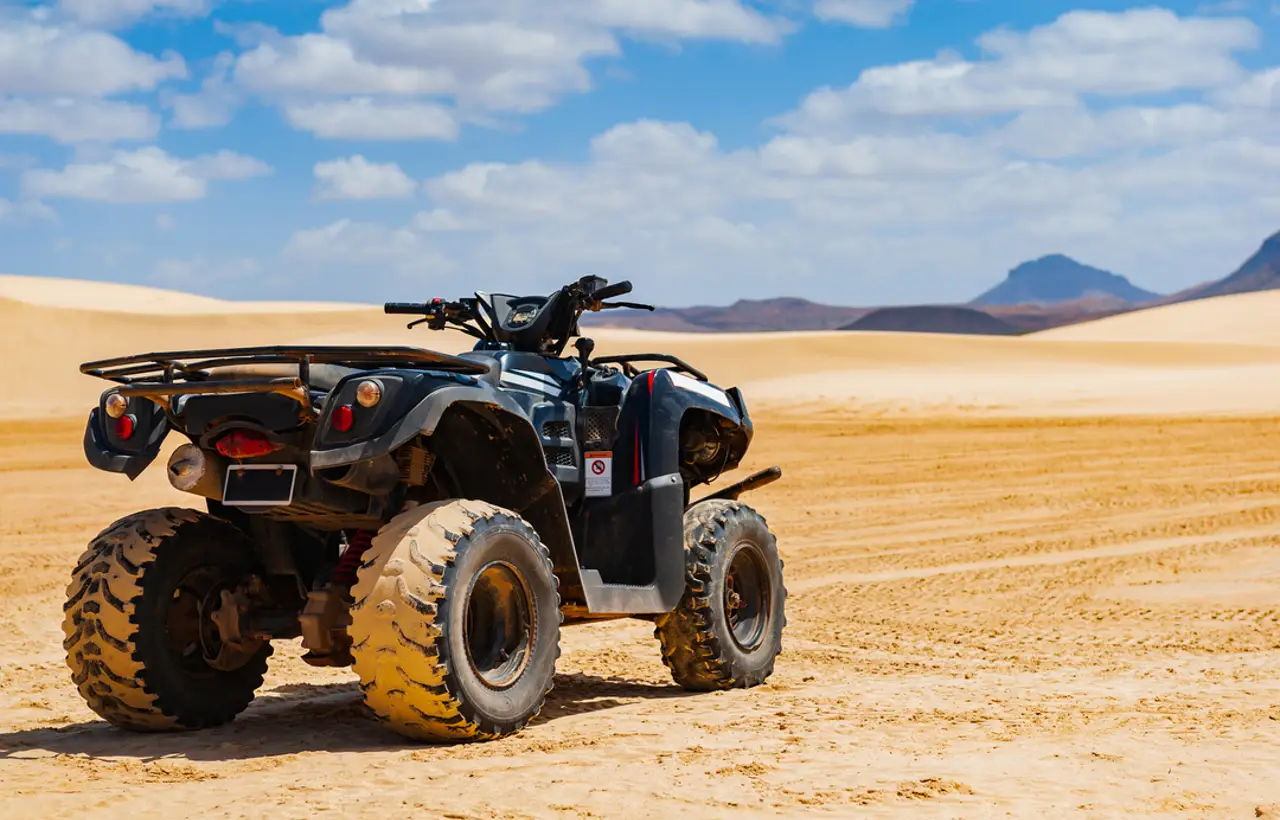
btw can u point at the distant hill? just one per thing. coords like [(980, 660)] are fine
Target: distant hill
[(749, 316), (934, 319), (1259, 272), (1056, 278), (1052, 291), (1030, 318), (745, 315)]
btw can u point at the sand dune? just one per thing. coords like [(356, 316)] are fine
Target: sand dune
[(1080, 370), (112, 297), (1246, 318), (989, 616)]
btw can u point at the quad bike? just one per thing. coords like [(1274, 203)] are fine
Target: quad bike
[(430, 519)]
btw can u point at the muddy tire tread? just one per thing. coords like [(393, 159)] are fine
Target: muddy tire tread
[(691, 649), (100, 624), (400, 636)]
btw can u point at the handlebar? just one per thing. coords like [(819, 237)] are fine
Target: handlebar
[(610, 291), (407, 308), (556, 322)]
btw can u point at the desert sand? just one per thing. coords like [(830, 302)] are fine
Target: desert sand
[(1030, 577)]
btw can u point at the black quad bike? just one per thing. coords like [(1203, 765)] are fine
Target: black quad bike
[(431, 520)]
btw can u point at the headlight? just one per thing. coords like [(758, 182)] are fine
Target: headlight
[(116, 405), (368, 393)]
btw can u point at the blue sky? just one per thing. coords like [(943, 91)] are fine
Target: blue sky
[(852, 151)]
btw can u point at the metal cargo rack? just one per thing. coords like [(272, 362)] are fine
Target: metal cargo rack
[(161, 376)]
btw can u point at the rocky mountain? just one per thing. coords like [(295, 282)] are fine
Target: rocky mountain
[(1056, 278), (934, 319), (1259, 272)]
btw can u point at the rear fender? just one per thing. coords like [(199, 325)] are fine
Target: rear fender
[(483, 442), (106, 451)]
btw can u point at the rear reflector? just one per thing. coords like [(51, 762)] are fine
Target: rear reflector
[(246, 444), (343, 418), (124, 427)]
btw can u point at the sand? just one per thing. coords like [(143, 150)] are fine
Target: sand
[(1030, 577), (1248, 318), (118, 298)]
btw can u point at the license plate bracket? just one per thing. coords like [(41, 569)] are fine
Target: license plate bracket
[(260, 485)]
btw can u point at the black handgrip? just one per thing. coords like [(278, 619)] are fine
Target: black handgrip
[(408, 308), (610, 291)]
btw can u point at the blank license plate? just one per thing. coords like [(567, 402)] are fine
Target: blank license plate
[(260, 485)]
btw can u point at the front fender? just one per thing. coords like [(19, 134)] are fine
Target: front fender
[(421, 418), (649, 427)]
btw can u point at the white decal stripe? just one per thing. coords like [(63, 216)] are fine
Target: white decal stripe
[(701, 388), (530, 384), (529, 374)]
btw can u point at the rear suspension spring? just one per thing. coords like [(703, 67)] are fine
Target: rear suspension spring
[(349, 562)]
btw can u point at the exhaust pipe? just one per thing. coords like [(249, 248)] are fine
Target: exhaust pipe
[(193, 470), (372, 477)]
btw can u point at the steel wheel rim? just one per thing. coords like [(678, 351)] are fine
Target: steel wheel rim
[(747, 597), (190, 634), (499, 625)]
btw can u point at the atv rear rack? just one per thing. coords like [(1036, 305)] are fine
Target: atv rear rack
[(160, 376)]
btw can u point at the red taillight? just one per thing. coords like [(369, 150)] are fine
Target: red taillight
[(343, 418), (246, 444), (124, 427)]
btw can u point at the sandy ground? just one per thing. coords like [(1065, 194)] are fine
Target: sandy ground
[(1029, 578)]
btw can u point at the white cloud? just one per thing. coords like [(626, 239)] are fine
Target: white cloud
[(867, 218), (43, 59), (690, 19), (145, 175), (74, 120), (1074, 131), (368, 247), (23, 212), (213, 105), (864, 13), (926, 155), (109, 13), (479, 56), (357, 178), (320, 63), (198, 273), (1138, 51), (1260, 90), (363, 118)]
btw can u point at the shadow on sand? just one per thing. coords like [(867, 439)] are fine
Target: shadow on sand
[(301, 718)]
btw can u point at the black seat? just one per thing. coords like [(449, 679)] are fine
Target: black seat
[(323, 376)]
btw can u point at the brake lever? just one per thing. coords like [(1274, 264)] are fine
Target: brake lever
[(630, 305)]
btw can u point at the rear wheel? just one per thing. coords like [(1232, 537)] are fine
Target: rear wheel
[(456, 623), (141, 642), (727, 629)]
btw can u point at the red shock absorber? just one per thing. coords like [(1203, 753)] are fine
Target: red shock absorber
[(345, 573)]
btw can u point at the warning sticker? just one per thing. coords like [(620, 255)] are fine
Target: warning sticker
[(599, 474)]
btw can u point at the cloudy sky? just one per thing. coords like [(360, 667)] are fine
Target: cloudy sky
[(851, 151)]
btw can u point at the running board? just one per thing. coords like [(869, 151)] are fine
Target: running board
[(660, 500), (751, 482)]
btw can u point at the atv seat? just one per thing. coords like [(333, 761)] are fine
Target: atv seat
[(323, 377)]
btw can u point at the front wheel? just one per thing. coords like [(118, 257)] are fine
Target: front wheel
[(727, 629), (143, 648), (456, 623)]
